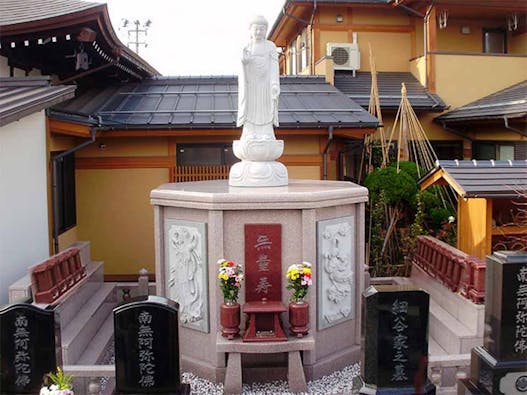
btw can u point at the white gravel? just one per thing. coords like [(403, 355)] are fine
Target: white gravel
[(345, 381)]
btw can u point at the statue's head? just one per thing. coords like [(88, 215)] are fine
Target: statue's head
[(258, 27)]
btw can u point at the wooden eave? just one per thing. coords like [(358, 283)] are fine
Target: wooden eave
[(288, 26), (441, 177), (97, 17), (468, 9), (78, 130)]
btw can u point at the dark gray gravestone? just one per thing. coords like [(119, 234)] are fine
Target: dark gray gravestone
[(147, 347), (27, 348), (395, 333), (500, 365)]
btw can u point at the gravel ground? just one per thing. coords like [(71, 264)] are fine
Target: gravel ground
[(341, 382)]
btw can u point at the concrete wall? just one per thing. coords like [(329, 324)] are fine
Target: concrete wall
[(23, 198)]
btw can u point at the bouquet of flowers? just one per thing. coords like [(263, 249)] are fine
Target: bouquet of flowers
[(299, 279), (61, 384), (230, 275)]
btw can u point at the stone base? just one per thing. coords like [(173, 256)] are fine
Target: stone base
[(491, 376), (258, 174), (184, 389), (368, 389)]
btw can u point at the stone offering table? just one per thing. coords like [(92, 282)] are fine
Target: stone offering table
[(295, 371), (321, 222)]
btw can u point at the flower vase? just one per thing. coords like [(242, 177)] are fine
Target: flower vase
[(299, 318), (230, 319)]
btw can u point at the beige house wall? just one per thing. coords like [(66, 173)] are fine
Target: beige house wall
[(114, 213), (459, 77)]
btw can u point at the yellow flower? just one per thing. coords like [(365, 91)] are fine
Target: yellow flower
[(307, 270)]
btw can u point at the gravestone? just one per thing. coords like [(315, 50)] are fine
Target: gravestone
[(395, 333), (27, 348), (500, 365), (147, 347)]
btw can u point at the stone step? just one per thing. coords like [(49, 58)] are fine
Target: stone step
[(469, 314), (68, 308), (78, 333), (434, 349), (450, 334), (98, 344)]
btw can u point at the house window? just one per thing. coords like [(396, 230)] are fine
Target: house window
[(65, 209), (448, 149), (494, 41), (485, 150), (205, 154)]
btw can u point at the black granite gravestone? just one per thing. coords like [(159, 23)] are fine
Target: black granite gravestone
[(395, 335), (27, 348), (147, 347), (499, 367)]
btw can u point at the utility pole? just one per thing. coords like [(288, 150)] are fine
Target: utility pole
[(138, 33)]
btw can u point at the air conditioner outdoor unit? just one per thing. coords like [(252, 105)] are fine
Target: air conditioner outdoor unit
[(346, 56)]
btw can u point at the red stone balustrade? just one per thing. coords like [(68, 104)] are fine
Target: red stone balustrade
[(56, 275), (453, 268)]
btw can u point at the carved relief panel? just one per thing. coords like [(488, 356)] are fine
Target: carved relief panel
[(335, 271), (186, 271)]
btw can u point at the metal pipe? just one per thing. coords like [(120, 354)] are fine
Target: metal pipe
[(54, 185), (325, 154), (519, 131)]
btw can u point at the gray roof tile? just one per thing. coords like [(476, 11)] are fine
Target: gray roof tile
[(389, 85), (211, 102), (16, 11), (486, 178), (510, 102), (22, 96)]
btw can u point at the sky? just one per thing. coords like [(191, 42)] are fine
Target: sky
[(192, 37)]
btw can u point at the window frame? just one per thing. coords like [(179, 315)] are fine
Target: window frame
[(494, 30), (65, 200)]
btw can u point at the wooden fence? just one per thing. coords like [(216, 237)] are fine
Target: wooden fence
[(201, 173)]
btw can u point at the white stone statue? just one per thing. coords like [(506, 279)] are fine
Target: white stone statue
[(258, 85), (258, 91)]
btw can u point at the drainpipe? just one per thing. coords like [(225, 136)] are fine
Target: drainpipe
[(54, 177), (325, 154), (519, 131)]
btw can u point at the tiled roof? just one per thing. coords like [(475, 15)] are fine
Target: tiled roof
[(484, 178), (211, 102), (389, 85), (23, 96), (507, 103), (16, 11)]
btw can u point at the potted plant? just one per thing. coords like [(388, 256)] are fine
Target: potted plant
[(230, 275), (299, 279), (60, 384)]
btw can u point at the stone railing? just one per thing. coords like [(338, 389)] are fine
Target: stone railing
[(445, 372), (456, 270), (56, 275)]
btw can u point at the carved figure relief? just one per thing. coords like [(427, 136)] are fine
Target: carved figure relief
[(336, 286), (186, 275)]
